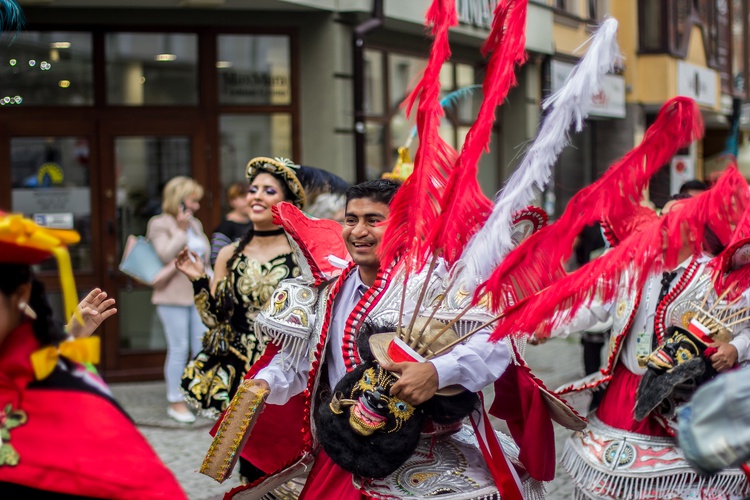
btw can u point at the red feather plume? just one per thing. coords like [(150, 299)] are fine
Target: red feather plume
[(417, 203), (537, 262), (465, 207), (731, 269), (654, 248)]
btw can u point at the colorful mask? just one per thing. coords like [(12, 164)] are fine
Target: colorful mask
[(674, 370), (370, 434), (372, 408)]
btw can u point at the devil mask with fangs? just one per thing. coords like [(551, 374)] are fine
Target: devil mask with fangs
[(368, 432)]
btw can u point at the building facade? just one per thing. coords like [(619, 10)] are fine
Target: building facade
[(103, 101), (695, 48)]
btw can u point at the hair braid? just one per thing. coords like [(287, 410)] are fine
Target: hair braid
[(46, 329), (241, 244)]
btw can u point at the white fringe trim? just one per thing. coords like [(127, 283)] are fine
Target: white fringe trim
[(291, 347), (533, 490), (597, 484)]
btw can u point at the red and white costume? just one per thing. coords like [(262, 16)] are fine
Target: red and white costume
[(617, 456)]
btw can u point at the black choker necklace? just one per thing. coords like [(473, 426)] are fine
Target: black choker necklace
[(272, 232)]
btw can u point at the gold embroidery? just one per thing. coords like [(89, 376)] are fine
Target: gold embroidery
[(689, 315), (256, 281), (621, 306), (203, 304), (9, 419)]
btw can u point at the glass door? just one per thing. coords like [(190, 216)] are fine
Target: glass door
[(52, 180), (142, 159)]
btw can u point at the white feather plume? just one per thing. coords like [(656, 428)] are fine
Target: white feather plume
[(569, 105)]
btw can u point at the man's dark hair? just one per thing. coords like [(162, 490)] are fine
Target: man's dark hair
[(679, 196), (694, 185), (379, 191)]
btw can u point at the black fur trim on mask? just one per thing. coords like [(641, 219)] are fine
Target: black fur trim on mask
[(655, 387), (374, 456), (449, 409), (363, 338), (380, 454)]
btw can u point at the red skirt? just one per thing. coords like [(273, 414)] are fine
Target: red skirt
[(618, 405), (328, 480)]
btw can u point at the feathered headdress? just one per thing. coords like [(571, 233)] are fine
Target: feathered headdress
[(652, 249), (417, 203), (464, 207), (569, 105), (731, 270), (534, 264)]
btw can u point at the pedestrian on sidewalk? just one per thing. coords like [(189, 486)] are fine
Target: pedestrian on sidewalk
[(170, 232)]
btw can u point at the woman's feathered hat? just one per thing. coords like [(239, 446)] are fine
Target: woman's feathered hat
[(305, 183)]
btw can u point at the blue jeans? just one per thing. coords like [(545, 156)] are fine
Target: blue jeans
[(184, 331)]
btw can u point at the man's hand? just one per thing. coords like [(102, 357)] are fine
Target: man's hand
[(725, 356), (418, 382), (94, 309), (259, 382)]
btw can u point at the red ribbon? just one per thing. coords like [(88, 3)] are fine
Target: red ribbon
[(508, 483)]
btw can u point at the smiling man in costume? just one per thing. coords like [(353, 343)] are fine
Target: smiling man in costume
[(339, 313)]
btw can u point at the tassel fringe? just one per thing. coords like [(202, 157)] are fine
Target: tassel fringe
[(592, 483), (292, 345)]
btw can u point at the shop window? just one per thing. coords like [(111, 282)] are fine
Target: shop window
[(569, 6), (243, 137), (152, 69), (50, 184), (390, 129), (374, 73), (374, 141), (739, 47), (652, 30), (597, 9), (681, 23), (254, 69), (51, 68)]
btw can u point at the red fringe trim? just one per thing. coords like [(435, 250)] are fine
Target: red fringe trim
[(656, 247), (534, 264)]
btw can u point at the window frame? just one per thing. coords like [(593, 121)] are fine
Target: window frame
[(384, 120)]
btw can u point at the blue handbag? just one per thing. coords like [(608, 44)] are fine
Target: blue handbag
[(141, 262)]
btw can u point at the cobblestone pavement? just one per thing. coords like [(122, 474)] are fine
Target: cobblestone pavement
[(183, 446)]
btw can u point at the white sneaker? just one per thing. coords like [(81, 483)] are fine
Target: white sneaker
[(182, 417)]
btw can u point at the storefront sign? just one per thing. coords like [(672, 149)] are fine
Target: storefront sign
[(698, 83), (74, 200), (55, 221), (256, 87), (476, 12), (610, 102), (681, 170)]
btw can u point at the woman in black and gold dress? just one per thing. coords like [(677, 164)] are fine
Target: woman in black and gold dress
[(246, 273)]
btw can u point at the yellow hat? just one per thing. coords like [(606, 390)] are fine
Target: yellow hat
[(22, 241)]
